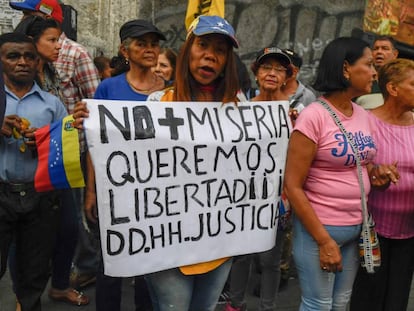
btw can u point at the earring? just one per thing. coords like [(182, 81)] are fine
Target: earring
[(126, 61), (284, 84)]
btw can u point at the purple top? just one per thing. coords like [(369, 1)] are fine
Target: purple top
[(393, 209)]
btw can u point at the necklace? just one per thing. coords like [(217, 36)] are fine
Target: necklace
[(136, 89)]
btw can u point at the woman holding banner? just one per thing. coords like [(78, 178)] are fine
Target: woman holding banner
[(207, 73), (271, 69), (139, 49)]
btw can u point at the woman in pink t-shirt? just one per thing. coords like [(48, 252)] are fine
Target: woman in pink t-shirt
[(321, 180), (392, 206)]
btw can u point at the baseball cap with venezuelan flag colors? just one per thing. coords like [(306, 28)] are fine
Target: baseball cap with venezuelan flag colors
[(208, 24), (48, 7)]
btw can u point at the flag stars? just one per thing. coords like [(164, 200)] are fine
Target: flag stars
[(57, 157)]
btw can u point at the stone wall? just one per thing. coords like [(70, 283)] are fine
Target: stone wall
[(304, 25), (9, 18)]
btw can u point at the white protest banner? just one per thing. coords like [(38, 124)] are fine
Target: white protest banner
[(182, 183)]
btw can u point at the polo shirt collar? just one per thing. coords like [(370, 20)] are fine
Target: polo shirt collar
[(34, 90)]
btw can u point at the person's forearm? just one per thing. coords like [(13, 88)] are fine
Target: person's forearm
[(90, 174), (304, 211)]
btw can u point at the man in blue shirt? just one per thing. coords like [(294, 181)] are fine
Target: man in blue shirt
[(26, 216)]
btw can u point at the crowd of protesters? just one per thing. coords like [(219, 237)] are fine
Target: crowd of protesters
[(47, 75)]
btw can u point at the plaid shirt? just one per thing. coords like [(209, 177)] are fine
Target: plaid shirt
[(78, 75), (77, 72)]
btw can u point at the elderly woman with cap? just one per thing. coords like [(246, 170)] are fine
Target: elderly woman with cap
[(139, 48), (271, 68), (208, 73)]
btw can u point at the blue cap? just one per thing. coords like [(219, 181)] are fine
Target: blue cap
[(206, 24)]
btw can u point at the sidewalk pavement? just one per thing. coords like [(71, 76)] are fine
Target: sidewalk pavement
[(288, 300)]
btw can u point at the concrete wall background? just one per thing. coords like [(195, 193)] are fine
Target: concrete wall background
[(304, 25)]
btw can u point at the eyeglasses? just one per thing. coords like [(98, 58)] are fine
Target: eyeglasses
[(268, 68)]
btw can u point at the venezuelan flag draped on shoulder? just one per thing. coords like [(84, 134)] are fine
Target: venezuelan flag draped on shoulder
[(59, 157)]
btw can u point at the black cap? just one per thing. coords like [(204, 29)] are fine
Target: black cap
[(138, 28), (274, 52), (296, 59)]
